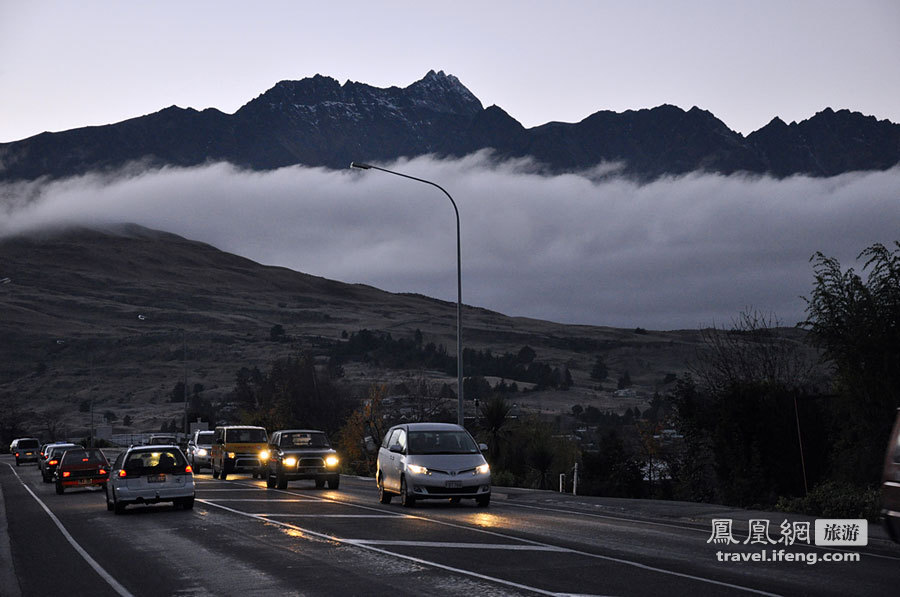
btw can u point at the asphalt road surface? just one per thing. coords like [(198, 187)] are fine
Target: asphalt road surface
[(244, 539)]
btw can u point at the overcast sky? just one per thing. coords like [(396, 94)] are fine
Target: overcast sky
[(69, 64), (677, 253)]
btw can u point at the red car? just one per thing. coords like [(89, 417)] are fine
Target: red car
[(80, 467)]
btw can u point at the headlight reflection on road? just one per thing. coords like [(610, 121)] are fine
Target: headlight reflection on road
[(487, 520)]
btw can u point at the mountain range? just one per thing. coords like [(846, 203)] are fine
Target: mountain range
[(319, 122)]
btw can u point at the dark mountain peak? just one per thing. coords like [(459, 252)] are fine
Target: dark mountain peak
[(306, 92), (828, 143), (444, 93)]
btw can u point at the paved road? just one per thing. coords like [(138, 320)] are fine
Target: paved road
[(244, 539)]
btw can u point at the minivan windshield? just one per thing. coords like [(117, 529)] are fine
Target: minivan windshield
[(245, 436), (441, 442)]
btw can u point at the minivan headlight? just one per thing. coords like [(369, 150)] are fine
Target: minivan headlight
[(331, 461), (416, 469), (483, 469)]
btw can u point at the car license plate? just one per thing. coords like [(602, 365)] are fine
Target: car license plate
[(452, 484), (156, 478), (84, 481)]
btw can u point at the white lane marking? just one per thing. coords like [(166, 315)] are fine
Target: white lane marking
[(272, 514), (112, 582), (262, 500), (456, 545), (496, 534), (383, 551)]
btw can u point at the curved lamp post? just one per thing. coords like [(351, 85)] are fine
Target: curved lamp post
[(459, 353)]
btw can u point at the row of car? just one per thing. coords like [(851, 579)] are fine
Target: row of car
[(416, 461), (287, 455), (139, 475)]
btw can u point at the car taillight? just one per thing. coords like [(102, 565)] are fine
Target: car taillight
[(122, 473), (188, 469), (66, 473), (102, 471), (17, 454), (84, 460), (53, 462)]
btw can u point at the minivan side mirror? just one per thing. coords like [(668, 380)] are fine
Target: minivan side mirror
[(397, 448), (483, 447)]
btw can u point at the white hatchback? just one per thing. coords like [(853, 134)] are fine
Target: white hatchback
[(149, 475)]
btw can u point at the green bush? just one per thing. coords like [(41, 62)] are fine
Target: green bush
[(835, 500), (503, 479)]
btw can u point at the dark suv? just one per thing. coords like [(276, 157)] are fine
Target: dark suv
[(25, 449), (301, 454)]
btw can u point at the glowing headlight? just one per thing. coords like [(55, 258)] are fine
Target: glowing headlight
[(264, 455), (331, 461), (202, 452), (290, 461), (416, 469), (231, 455), (483, 469)]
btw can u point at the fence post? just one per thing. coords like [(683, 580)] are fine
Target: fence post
[(575, 481)]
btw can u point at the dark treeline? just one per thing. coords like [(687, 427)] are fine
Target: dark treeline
[(382, 349)]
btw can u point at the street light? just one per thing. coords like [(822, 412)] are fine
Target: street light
[(459, 353)]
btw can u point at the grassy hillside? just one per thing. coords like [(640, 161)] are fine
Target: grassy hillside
[(106, 315)]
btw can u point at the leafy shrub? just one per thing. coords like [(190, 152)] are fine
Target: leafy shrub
[(503, 479), (835, 500)]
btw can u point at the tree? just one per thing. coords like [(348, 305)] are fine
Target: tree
[(177, 394), (276, 333), (599, 371), (494, 413), (856, 324), (359, 438), (753, 392), (526, 355), (624, 381), (755, 349), (127, 421)]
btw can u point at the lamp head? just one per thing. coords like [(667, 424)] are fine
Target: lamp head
[(360, 166)]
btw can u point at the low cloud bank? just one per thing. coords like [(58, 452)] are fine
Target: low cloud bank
[(680, 252)]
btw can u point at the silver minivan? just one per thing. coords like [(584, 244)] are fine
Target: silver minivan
[(420, 461)]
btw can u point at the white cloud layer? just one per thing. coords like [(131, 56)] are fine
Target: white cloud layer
[(676, 253)]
